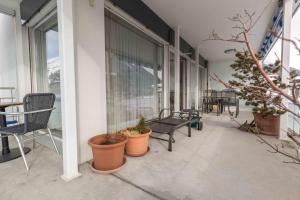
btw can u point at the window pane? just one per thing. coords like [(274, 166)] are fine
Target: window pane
[(134, 74)]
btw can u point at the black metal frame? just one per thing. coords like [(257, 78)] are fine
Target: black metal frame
[(229, 98), (168, 125)]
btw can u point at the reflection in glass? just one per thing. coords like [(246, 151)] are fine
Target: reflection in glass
[(193, 85), (134, 74), (48, 67), (172, 80)]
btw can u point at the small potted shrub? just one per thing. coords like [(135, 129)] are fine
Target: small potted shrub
[(108, 152), (138, 139), (255, 90)]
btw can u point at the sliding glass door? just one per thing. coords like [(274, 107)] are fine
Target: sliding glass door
[(134, 74), (172, 80), (46, 66), (193, 85), (183, 83), (202, 85)]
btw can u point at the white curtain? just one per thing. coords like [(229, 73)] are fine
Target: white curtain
[(41, 61), (134, 74)]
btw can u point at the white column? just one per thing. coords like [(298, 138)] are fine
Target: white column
[(68, 89), (197, 79), (90, 73), (177, 69), (285, 56), (166, 77)]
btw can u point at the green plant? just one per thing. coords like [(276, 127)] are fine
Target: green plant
[(252, 86), (140, 128)]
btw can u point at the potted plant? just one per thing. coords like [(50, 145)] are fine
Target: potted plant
[(108, 152), (138, 139), (255, 90)]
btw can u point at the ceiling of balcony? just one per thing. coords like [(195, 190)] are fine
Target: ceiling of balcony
[(197, 18), (8, 6)]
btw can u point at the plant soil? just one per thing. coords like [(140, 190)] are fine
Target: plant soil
[(109, 141)]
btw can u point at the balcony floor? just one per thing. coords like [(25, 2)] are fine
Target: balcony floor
[(219, 162)]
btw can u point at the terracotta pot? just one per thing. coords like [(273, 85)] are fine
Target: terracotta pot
[(268, 125), (108, 156), (137, 145)]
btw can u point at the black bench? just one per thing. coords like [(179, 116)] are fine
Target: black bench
[(168, 125)]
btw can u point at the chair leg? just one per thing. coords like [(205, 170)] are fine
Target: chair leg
[(33, 140), (237, 110), (22, 141), (22, 151), (50, 133)]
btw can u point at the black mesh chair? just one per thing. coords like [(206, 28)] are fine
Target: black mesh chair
[(37, 111), (229, 98)]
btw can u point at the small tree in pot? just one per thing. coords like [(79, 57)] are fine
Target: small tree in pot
[(138, 139), (255, 90)]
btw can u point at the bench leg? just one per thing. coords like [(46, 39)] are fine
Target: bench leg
[(171, 139)]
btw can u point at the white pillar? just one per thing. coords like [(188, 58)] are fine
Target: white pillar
[(90, 73), (285, 56), (68, 89), (177, 69), (166, 76), (197, 79)]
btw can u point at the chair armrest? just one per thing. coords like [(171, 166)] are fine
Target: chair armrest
[(162, 112), (26, 113)]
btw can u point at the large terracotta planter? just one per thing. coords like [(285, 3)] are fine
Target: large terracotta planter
[(268, 125), (137, 145), (108, 156)]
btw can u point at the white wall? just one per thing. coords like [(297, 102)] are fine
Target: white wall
[(90, 74), (223, 70), (8, 66)]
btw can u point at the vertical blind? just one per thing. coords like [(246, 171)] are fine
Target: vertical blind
[(133, 74)]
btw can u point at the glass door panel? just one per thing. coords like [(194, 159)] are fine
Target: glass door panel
[(133, 74), (47, 68), (183, 83), (193, 85), (172, 80)]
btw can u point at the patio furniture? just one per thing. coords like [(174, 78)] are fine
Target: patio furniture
[(8, 95), (229, 98), (7, 153), (211, 98), (37, 111), (168, 125), (195, 117)]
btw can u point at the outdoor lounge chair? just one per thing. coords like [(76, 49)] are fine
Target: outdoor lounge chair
[(37, 111), (168, 125)]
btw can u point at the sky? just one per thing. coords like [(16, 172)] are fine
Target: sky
[(52, 44), (276, 50)]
